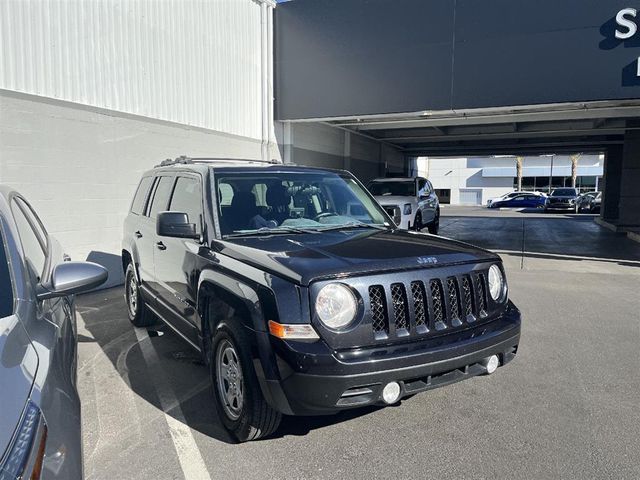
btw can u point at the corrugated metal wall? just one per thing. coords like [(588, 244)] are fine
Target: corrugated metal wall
[(195, 62)]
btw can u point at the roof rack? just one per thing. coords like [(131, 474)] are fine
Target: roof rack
[(184, 160)]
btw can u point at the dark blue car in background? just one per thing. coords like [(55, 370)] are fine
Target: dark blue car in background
[(521, 201)]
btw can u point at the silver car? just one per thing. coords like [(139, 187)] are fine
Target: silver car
[(411, 202), (40, 434)]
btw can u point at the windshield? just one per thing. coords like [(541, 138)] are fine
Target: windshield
[(564, 192), (256, 203), (405, 188)]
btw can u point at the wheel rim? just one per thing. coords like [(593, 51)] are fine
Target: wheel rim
[(229, 379), (132, 296)]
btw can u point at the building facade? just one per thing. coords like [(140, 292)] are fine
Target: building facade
[(474, 180)]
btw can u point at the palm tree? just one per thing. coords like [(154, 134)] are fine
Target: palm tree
[(574, 168), (519, 163)]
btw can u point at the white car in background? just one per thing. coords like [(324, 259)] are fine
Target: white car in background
[(509, 195), (411, 202)]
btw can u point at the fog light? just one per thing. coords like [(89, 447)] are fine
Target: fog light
[(491, 363), (391, 393)]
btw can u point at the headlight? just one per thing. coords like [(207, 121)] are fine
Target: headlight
[(336, 305), (496, 282), (407, 209)]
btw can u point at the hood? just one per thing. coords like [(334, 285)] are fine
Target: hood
[(18, 364), (305, 258), (394, 200)]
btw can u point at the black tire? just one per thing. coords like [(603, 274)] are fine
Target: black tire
[(434, 226), (137, 309), (417, 226), (255, 418)]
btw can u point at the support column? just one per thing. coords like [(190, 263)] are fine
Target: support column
[(611, 184), (347, 151), (629, 205), (287, 143), (620, 210)]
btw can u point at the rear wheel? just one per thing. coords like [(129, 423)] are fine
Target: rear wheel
[(137, 309), (434, 226), (242, 407)]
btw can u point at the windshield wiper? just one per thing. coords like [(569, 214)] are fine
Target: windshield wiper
[(345, 226), (270, 231)]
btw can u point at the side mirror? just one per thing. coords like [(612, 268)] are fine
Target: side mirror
[(69, 278), (176, 225)]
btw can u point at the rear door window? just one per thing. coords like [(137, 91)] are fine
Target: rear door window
[(140, 199), (6, 284), (161, 196)]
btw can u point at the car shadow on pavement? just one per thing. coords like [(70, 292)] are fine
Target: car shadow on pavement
[(173, 377)]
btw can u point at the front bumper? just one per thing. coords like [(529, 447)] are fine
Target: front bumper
[(560, 206), (406, 221), (314, 380)]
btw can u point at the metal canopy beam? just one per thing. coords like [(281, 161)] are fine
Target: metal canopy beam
[(484, 117)]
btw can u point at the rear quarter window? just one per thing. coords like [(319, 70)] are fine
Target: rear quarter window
[(140, 198), (6, 283)]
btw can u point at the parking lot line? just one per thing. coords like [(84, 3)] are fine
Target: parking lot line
[(564, 257), (191, 461)]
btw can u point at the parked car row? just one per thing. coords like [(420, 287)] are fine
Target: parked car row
[(561, 199)]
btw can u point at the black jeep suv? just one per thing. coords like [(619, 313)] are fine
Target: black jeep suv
[(302, 295)]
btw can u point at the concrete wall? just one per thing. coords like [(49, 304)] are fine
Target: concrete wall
[(321, 145), (79, 166), (94, 92)]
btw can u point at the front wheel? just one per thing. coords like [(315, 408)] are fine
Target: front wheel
[(417, 226), (241, 405)]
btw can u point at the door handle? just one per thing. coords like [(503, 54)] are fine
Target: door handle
[(138, 234), (161, 246)]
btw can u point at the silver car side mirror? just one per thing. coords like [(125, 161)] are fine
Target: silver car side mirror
[(69, 278)]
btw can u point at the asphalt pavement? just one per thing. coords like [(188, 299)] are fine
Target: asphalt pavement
[(566, 407)]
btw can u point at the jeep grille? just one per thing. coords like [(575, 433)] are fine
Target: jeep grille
[(425, 306)]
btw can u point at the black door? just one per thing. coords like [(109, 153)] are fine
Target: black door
[(148, 242), (176, 263)]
